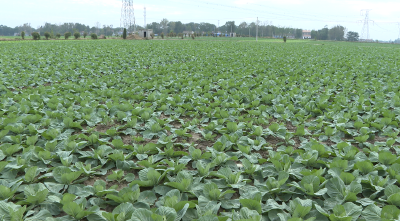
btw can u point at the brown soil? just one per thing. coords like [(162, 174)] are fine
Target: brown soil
[(263, 153), (102, 128), (195, 137), (290, 127), (176, 124), (127, 139), (202, 145), (328, 143), (134, 37), (297, 142), (235, 196), (273, 140), (92, 180)]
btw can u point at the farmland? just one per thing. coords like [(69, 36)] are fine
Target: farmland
[(116, 130)]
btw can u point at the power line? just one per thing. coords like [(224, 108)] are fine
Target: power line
[(306, 14), (382, 28), (261, 11)]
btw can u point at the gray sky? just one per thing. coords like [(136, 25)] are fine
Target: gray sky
[(305, 14)]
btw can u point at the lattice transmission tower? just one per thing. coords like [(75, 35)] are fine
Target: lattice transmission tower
[(365, 30), (128, 16)]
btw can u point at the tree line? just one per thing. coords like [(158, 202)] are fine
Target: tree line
[(243, 29), (164, 26), (62, 28), (265, 29)]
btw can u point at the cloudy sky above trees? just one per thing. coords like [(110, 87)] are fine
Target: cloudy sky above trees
[(305, 14)]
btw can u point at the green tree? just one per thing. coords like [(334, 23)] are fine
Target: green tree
[(93, 36), (77, 35), (284, 39), (47, 35), (323, 33), (352, 36), (178, 27), (23, 35), (162, 35), (336, 33), (58, 35), (229, 27), (164, 25), (35, 36), (299, 33), (124, 34), (84, 34), (314, 34), (67, 35)]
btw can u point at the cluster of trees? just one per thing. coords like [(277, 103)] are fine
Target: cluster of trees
[(53, 29), (352, 36), (334, 33), (243, 29), (164, 26), (173, 28)]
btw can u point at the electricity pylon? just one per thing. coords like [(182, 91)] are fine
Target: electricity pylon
[(127, 16), (365, 30)]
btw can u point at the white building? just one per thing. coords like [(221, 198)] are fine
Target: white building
[(188, 33), (306, 34), (146, 33)]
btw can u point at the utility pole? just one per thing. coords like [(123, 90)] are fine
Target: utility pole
[(134, 23), (365, 30), (257, 30), (144, 18), (398, 24)]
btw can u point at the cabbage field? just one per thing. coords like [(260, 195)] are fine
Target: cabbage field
[(117, 130)]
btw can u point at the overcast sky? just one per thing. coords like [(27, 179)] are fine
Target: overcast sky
[(305, 14)]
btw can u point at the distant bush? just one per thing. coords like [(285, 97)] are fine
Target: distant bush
[(124, 34), (93, 36), (193, 36), (23, 35), (162, 35), (67, 35), (152, 35), (284, 39), (77, 35), (58, 35), (47, 35), (84, 34), (36, 36)]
